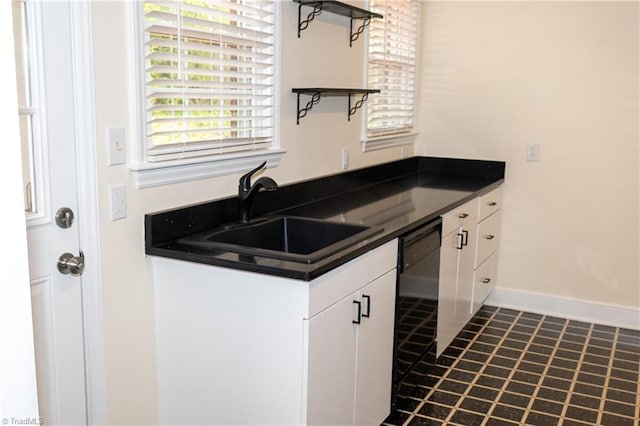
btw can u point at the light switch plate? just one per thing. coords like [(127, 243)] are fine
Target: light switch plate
[(533, 152), (115, 146)]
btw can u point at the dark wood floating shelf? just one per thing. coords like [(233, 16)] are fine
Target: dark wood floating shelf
[(338, 8), (316, 94)]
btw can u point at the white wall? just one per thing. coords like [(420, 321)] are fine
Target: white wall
[(499, 75), (322, 57)]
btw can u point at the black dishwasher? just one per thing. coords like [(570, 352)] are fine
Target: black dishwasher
[(416, 301)]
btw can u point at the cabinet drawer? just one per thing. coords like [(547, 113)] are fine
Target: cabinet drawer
[(484, 280), (489, 203), (488, 236), (459, 216)]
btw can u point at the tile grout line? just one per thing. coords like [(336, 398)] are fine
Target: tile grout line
[(607, 378), (582, 362), (547, 366), (574, 380), (506, 380), (440, 380), (478, 374), (518, 361), (426, 397), (587, 347), (637, 411)]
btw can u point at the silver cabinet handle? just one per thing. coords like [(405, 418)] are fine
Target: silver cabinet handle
[(492, 203), (490, 237), (486, 280)]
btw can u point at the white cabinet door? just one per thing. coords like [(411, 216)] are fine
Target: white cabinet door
[(350, 364), (466, 265), (375, 351), (457, 262), (332, 365), (447, 291)]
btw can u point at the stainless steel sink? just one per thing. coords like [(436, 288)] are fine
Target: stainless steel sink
[(286, 237)]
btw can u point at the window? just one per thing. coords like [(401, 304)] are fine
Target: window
[(209, 82), (26, 39), (392, 68)]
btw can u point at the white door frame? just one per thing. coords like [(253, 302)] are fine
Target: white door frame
[(89, 218)]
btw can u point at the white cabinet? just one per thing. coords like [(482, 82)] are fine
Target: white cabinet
[(331, 365), (468, 259), (457, 257), (350, 357), (236, 347), (483, 282), (484, 279), (375, 353)]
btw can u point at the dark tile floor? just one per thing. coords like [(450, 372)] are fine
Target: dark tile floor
[(512, 368)]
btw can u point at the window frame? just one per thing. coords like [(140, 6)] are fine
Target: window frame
[(37, 113), (148, 173), (400, 138)]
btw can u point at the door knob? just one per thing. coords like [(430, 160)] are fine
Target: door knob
[(70, 264)]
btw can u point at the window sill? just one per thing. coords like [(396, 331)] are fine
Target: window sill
[(382, 142), (167, 172)]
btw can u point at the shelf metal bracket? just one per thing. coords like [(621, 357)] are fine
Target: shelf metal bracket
[(302, 112), (355, 34), (317, 9), (358, 104)]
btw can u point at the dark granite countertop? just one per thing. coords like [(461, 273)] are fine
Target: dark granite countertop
[(396, 196)]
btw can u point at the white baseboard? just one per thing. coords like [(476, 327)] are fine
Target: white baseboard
[(581, 310)]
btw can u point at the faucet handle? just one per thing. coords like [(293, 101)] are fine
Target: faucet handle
[(245, 180)]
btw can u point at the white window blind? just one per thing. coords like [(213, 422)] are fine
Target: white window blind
[(209, 77), (392, 67)]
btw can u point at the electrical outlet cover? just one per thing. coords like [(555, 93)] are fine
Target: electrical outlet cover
[(118, 198)]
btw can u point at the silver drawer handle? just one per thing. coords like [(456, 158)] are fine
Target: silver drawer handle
[(490, 237), (463, 215), (486, 280), (493, 203)]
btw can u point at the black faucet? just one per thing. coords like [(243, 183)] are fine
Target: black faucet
[(246, 191)]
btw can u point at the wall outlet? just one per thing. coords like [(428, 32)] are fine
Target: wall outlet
[(118, 198), (345, 158), (115, 146), (533, 152)]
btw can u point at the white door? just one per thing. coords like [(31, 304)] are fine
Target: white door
[(332, 365), (447, 290), (374, 364), (465, 274), (47, 123)]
